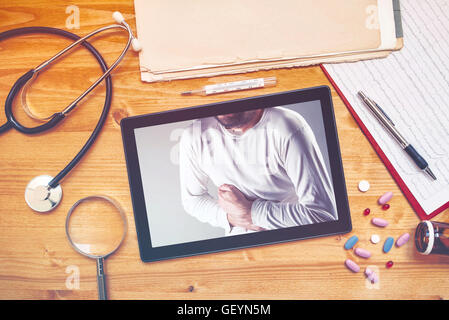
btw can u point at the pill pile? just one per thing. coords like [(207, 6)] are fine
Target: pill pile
[(389, 242)]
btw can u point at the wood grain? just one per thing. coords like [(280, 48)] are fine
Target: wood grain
[(34, 252)]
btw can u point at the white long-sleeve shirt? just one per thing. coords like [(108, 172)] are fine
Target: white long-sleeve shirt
[(277, 163)]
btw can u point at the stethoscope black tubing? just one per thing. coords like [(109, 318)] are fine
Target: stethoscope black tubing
[(5, 127), (55, 118), (12, 123)]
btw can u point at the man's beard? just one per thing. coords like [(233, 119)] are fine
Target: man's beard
[(235, 120)]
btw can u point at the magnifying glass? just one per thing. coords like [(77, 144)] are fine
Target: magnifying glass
[(96, 227)]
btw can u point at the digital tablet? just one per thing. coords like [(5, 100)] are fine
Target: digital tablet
[(236, 174)]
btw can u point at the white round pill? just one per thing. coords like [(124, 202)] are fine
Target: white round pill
[(375, 238), (364, 186)]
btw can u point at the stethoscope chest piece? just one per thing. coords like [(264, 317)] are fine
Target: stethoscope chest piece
[(40, 197)]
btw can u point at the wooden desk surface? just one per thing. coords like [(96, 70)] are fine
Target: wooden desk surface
[(35, 257)]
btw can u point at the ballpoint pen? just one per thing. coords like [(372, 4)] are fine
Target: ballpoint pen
[(388, 124)]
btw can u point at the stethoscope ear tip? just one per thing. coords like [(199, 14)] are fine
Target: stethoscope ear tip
[(136, 45), (118, 17)]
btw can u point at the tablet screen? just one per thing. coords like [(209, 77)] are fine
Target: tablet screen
[(237, 173)]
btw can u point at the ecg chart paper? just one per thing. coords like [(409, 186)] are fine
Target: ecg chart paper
[(412, 86)]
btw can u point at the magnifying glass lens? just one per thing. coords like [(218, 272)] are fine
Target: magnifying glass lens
[(96, 228)]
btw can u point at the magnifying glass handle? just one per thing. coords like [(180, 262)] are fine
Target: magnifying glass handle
[(101, 280)]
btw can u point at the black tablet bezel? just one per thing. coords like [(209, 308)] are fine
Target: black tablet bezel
[(148, 253)]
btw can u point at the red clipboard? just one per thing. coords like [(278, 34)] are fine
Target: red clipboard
[(411, 199)]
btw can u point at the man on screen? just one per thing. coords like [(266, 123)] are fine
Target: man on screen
[(267, 167)]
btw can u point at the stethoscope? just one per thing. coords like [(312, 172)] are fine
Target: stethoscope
[(44, 192)]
